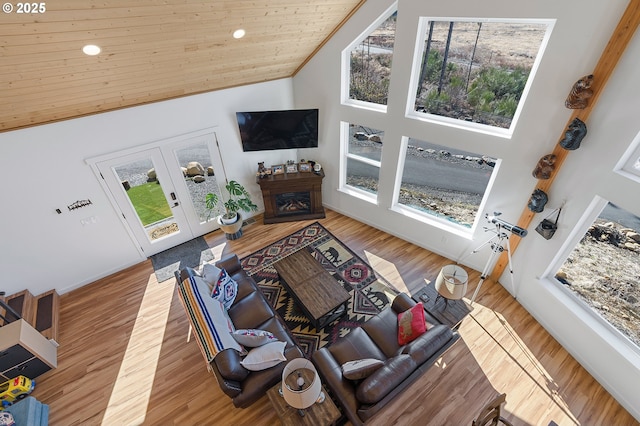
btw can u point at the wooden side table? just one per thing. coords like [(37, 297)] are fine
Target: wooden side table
[(449, 312), (317, 415)]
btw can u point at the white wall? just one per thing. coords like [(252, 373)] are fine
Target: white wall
[(579, 36), (588, 174), (43, 168)]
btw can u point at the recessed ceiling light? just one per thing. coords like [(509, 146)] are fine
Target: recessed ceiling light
[(239, 33), (91, 49)]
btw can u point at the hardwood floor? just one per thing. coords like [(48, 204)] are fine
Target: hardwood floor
[(124, 359)]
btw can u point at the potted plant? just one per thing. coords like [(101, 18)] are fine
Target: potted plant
[(238, 198)]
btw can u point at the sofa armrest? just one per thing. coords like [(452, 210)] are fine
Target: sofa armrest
[(228, 364), (229, 263), (342, 389), (386, 379), (185, 273), (430, 342), (402, 302), (231, 388), (292, 352), (257, 383)]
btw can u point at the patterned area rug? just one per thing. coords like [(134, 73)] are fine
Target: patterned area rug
[(369, 294)]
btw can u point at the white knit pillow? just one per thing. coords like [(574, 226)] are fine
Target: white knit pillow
[(265, 356)]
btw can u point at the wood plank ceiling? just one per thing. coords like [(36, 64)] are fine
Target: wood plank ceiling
[(152, 50)]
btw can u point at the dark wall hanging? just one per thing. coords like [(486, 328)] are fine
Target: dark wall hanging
[(576, 131), (547, 228), (538, 200)]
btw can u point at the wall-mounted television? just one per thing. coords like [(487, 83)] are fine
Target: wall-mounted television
[(266, 130)]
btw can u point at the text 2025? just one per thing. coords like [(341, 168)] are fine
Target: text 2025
[(31, 7)]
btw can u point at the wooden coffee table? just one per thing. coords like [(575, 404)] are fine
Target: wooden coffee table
[(317, 415), (319, 295)]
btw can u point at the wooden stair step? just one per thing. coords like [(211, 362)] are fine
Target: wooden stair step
[(47, 308)]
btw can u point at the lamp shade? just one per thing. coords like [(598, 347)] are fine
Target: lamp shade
[(301, 385), (451, 282)]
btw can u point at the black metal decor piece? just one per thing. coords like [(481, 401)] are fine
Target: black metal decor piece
[(79, 204)]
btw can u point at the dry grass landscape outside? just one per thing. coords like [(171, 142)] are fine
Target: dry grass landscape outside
[(604, 271), (471, 71), (505, 44)]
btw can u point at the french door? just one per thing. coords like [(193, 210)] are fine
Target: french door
[(160, 189)]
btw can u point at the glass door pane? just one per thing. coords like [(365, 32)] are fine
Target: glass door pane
[(146, 195), (200, 177), (144, 190)]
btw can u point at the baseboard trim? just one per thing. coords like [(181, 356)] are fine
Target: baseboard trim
[(84, 282)]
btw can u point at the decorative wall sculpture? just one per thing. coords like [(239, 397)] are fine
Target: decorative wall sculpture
[(545, 166), (580, 93), (537, 201), (576, 131)]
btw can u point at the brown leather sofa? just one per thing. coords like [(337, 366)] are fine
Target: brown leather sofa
[(378, 338), (250, 310)]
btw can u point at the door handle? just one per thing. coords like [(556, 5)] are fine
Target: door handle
[(176, 204)]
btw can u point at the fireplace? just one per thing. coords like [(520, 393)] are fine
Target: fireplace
[(289, 203), (292, 196)]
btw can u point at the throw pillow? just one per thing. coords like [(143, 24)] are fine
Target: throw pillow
[(225, 290), (265, 356), (210, 273), (360, 368), (411, 324), (253, 338)]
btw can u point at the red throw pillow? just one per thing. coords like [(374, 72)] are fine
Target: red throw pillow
[(411, 324)]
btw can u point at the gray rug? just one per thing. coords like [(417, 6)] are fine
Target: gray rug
[(192, 253)]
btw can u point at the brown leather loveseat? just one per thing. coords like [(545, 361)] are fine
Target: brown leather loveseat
[(378, 339), (250, 310)]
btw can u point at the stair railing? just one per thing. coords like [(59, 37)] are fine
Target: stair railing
[(8, 312)]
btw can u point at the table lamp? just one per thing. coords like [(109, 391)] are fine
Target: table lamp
[(301, 386), (451, 282)]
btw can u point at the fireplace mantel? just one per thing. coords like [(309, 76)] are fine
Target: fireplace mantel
[(292, 196)]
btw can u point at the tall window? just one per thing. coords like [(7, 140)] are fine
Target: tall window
[(604, 270), (370, 63), (629, 164), (476, 71), (364, 151), (443, 182)]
